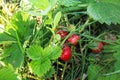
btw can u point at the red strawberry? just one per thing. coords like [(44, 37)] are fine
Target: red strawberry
[(66, 53), (73, 39), (62, 33)]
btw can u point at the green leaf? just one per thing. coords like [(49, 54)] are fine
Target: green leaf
[(93, 69), (35, 52), (116, 2), (39, 7), (40, 68), (6, 38), (99, 75), (41, 63), (105, 11), (53, 2), (69, 3), (13, 55), (7, 74), (50, 73), (89, 1), (53, 52), (117, 63), (111, 77), (23, 24), (42, 4), (117, 57), (57, 19)]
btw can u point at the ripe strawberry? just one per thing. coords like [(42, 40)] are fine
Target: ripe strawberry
[(73, 39), (66, 53), (62, 33)]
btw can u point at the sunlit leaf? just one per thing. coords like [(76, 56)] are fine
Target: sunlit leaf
[(7, 74), (53, 2), (23, 24), (69, 3), (35, 52), (57, 19), (42, 4), (40, 68)]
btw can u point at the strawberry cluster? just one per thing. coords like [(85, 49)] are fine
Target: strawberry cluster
[(66, 50)]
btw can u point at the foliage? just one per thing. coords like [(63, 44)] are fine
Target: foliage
[(30, 47), (42, 57), (69, 3), (13, 56), (105, 11), (7, 72)]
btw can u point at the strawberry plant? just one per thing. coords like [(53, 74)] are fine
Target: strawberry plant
[(58, 39)]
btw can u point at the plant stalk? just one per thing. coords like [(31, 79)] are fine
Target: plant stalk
[(64, 71)]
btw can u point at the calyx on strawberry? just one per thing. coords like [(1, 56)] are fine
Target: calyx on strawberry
[(97, 47)]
